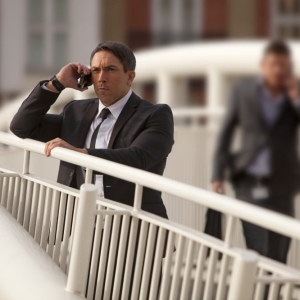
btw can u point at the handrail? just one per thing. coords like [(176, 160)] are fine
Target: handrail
[(256, 215)]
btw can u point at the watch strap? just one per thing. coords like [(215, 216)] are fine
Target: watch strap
[(57, 84)]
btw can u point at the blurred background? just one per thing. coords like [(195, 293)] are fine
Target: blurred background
[(38, 37), (189, 53)]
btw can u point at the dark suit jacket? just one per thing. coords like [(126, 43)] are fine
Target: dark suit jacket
[(246, 112), (142, 138)]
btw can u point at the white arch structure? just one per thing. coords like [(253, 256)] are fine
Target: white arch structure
[(170, 66), (214, 60)]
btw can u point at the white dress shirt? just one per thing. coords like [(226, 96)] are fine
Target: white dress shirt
[(104, 132)]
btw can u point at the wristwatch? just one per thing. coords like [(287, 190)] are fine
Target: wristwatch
[(57, 84)]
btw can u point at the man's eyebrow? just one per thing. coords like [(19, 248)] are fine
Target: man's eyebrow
[(109, 66)]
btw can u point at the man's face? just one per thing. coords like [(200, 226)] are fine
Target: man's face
[(110, 81), (276, 68)]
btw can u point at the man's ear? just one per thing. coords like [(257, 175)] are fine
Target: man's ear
[(131, 76)]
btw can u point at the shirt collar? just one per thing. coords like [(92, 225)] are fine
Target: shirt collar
[(279, 99), (116, 108)]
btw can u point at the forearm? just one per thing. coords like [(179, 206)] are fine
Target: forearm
[(32, 111), (225, 137), (220, 157), (133, 157)]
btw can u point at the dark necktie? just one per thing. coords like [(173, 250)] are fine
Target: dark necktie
[(103, 115)]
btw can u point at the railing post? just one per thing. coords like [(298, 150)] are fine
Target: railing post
[(137, 204), (26, 162), (243, 276), (231, 220), (83, 239), (88, 175)]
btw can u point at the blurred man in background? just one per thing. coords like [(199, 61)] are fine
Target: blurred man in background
[(266, 170)]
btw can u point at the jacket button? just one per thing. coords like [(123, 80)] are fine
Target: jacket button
[(71, 174)]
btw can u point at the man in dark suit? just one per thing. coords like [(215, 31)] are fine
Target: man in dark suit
[(266, 169), (117, 126)]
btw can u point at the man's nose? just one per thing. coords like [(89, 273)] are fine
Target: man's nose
[(101, 77)]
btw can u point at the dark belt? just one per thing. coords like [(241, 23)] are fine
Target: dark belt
[(257, 178)]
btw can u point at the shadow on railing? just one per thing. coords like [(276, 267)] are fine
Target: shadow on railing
[(119, 251)]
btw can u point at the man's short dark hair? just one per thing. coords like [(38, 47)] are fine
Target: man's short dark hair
[(120, 50), (278, 47)]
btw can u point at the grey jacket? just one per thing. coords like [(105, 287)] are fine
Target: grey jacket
[(245, 111)]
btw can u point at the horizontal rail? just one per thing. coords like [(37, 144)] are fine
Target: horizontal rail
[(271, 279), (9, 175), (194, 112), (112, 212), (256, 215)]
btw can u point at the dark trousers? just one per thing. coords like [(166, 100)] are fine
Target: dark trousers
[(264, 241)]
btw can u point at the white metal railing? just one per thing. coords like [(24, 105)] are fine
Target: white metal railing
[(114, 258)]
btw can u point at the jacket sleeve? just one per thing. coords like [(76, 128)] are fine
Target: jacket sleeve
[(296, 107), (151, 146), (32, 120), (225, 137)]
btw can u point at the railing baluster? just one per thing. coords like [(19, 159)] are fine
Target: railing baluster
[(22, 200), (72, 231), (166, 273), (60, 228), (34, 206), (148, 261), (28, 204), (157, 267), (260, 286), (16, 199), (209, 280), (40, 214), (46, 221), (121, 257), (112, 257), (198, 281), (53, 222), (177, 268), (10, 197), (1, 187), (129, 258), (67, 231), (223, 275), (5, 191), (142, 238), (274, 291), (288, 291), (103, 256), (185, 289), (95, 256)]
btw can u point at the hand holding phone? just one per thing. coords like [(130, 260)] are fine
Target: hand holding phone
[(68, 75), (292, 87), (85, 81)]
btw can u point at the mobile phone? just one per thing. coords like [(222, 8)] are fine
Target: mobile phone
[(85, 81)]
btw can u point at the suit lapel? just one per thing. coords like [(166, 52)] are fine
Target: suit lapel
[(283, 109), (128, 110), (86, 121), (255, 97)]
